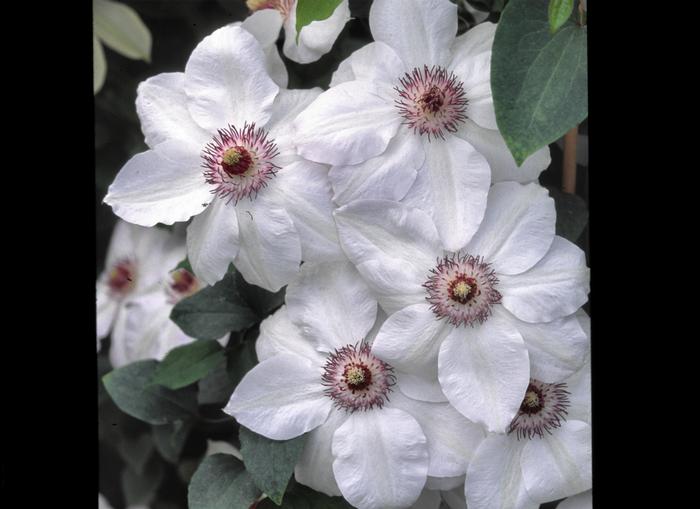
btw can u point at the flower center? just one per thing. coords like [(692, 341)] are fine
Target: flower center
[(432, 101), (356, 380), (542, 410), (236, 161), (462, 288), (239, 162), (182, 284), (122, 277), (283, 6)]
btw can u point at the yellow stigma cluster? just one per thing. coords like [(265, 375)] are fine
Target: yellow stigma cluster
[(532, 399), (232, 156), (355, 376), (462, 290)]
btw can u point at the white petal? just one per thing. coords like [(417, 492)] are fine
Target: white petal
[(556, 286), (558, 465), (213, 241), (122, 244), (315, 466), (452, 439), (118, 350), (287, 106), (428, 500), (279, 335), (107, 308), (581, 501), (99, 65), (157, 252), (161, 104), (494, 478), (579, 384), (165, 185), (270, 250), (503, 167), (344, 72), (475, 74), (420, 31), (306, 194), (376, 61), (557, 349), (476, 40), (484, 372), (331, 304), (392, 245), (315, 39), (420, 387), (381, 459), (281, 398), (452, 187), (388, 176), (226, 80), (517, 229), (265, 26), (410, 340), (347, 124)]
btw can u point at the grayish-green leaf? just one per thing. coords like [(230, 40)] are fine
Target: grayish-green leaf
[(169, 439), (135, 451), (130, 388), (213, 311), (216, 388), (140, 487), (120, 28), (572, 214), (99, 65), (261, 301), (559, 11), (314, 10), (186, 364), (242, 358), (221, 482), (270, 462), (301, 497), (539, 80)]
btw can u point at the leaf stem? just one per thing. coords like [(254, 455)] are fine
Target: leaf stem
[(568, 181)]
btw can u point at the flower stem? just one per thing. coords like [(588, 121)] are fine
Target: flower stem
[(568, 181)]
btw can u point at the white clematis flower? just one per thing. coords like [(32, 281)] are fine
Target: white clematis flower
[(138, 261), (222, 151), (476, 324), (546, 453), (315, 39), (318, 374), (148, 331), (410, 116)]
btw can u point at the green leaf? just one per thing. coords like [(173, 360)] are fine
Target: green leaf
[(130, 388), (559, 12), (301, 497), (572, 214), (135, 451), (216, 388), (242, 358), (488, 5), (184, 264), (221, 482), (170, 439), (314, 10), (213, 311), (186, 364), (99, 65), (270, 462), (539, 80), (120, 28), (140, 487), (263, 302)]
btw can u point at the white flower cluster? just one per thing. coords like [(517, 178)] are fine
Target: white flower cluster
[(432, 342)]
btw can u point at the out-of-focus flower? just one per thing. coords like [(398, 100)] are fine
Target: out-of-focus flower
[(222, 150), (318, 374), (315, 39), (138, 261), (119, 27), (472, 326)]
